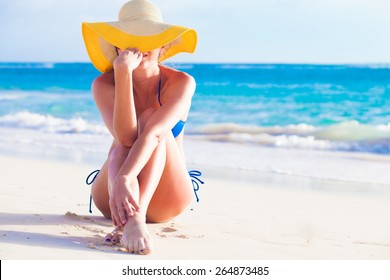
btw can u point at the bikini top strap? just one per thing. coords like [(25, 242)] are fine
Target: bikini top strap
[(159, 87)]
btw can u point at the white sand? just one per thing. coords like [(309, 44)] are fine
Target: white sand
[(241, 215)]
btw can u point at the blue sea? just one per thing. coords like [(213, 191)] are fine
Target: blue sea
[(320, 107)]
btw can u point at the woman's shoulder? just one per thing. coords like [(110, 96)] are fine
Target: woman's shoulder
[(178, 83), (104, 81), (175, 76)]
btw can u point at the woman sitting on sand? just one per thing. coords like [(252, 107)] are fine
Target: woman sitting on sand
[(144, 105)]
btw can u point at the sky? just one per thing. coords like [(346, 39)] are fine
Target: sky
[(239, 31)]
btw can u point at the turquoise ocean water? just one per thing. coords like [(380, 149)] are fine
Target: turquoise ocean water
[(326, 107)]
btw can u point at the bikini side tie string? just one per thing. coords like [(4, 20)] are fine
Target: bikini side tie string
[(194, 174), (89, 181)]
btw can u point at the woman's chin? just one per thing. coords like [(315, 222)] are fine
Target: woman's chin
[(146, 63)]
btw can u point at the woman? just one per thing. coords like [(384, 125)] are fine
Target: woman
[(144, 105)]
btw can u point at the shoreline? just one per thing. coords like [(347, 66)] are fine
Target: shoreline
[(44, 215), (356, 167)]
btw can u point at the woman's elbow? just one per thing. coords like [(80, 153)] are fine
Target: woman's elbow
[(124, 143), (125, 140)]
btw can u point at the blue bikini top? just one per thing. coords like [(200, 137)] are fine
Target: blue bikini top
[(178, 128)]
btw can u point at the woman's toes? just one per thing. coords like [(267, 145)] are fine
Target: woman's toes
[(147, 250), (140, 246), (114, 236), (109, 237), (117, 237)]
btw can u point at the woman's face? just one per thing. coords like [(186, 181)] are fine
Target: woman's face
[(149, 58)]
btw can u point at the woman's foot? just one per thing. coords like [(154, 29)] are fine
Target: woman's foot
[(135, 237)]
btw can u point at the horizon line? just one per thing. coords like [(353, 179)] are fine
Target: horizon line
[(216, 62)]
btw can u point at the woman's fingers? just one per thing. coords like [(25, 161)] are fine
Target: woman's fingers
[(129, 208), (128, 58), (122, 215), (114, 212), (129, 51), (133, 50), (133, 203), (120, 212)]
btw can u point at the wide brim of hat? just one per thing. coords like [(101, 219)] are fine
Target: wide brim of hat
[(101, 38)]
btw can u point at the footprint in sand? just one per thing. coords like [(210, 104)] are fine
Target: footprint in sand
[(171, 232), (90, 229), (74, 216), (168, 229), (84, 223)]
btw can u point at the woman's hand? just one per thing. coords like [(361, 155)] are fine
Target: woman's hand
[(128, 59), (122, 202)]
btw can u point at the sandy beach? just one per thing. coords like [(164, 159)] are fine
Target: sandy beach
[(241, 215)]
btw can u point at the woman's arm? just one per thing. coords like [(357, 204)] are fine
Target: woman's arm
[(103, 94), (113, 94), (109, 101), (124, 115)]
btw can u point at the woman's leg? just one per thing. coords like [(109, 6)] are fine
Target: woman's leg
[(100, 188), (174, 191), (135, 236), (164, 188), (164, 184)]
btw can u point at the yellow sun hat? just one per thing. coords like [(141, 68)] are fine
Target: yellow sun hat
[(140, 25)]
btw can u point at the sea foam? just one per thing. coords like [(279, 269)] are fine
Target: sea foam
[(49, 123), (346, 136)]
